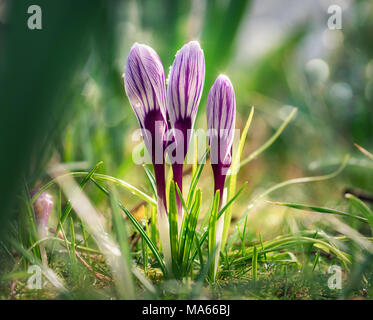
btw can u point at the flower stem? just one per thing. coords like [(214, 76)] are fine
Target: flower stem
[(160, 181), (162, 213), (219, 181)]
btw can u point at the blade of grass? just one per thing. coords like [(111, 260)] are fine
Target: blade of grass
[(170, 175), (63, 216), (183, 229), (271, 140), (30, 229), (72, 235), (126, 288), (261, 243), (145, 258), (316, 261), (255, 265), (198, 249), (243, 237), (212, 234), (233, 179), (285, 184), (362, 207), (100, 177), (144, 246), (317, 209), (153, 224), (191, 231), (138, 227), (221, 212), (173, 228), (195, 179), (293, 241), (196, 290), (65, 240), (126, 185), (195, 156), (68, 207), (67, 244), (364, 151), (151, 179), (85, 238)]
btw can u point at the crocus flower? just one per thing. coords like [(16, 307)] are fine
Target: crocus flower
[(42, 207), (145, 87), (221, 118), (185, 85)]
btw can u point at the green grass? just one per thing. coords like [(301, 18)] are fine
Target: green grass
[(122, 258)]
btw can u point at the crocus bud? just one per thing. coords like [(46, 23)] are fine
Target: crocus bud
[(221, 118), (42, 207), (185, 85), (145, 87)]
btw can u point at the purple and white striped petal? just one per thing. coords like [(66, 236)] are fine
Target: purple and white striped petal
[(221, 118), (145, 87), (184, 91), (185, 85)]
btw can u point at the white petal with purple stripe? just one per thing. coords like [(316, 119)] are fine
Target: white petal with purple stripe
[(185, 83)]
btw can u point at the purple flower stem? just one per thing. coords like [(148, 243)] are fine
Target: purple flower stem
[(219, 180), (160, 181)]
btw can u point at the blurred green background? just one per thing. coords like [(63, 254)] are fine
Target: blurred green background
[(62, 96)]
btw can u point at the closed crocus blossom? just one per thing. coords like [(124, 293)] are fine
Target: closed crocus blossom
[(221, 118), (185, 85), (145, 87), (43, 206)]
